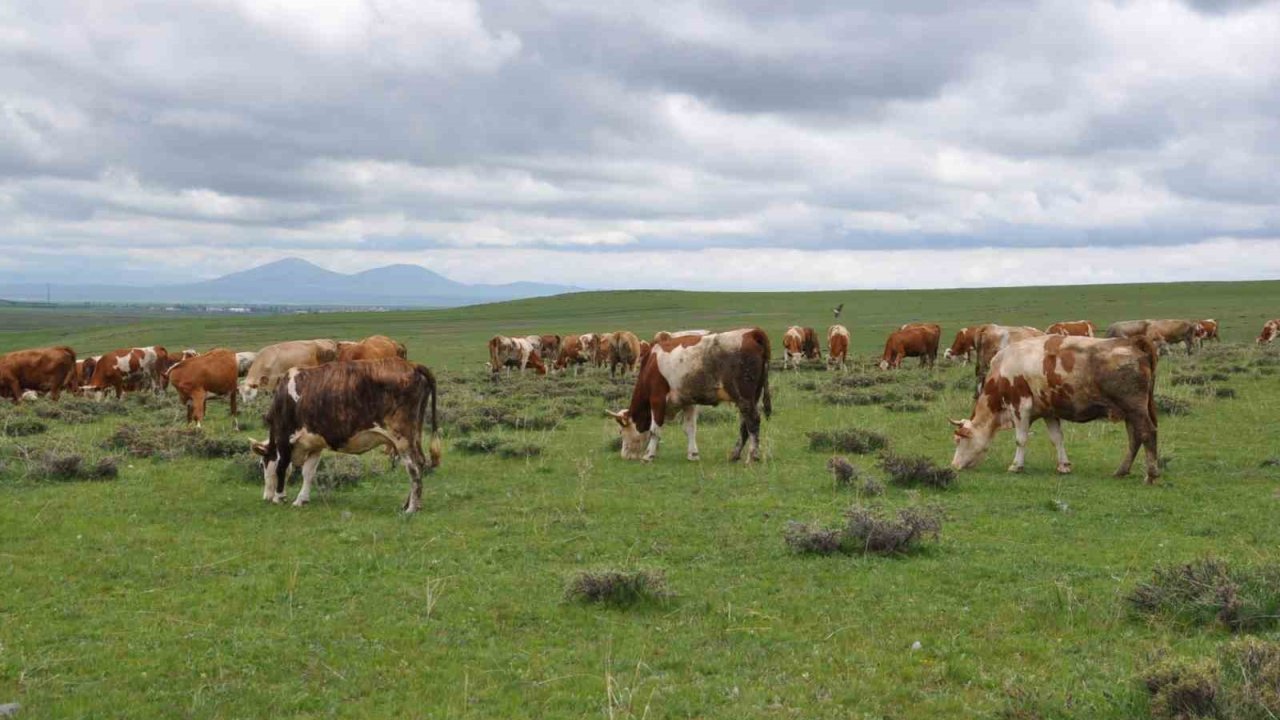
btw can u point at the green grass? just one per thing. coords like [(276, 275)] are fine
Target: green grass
[(173, 591)]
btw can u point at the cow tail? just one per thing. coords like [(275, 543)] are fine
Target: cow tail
[(764, 376), (1153, 354), (433, 448)]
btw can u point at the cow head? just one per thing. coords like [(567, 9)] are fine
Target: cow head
[(972, 444), (884, 364), (248, 390), (634, 442)]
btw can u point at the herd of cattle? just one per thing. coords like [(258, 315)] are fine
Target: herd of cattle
[(351, 397)]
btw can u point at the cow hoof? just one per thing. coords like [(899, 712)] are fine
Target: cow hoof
[(694, 457), (299, 502), (1015, 468), (1121, 473), (646, 459), (1064, 469)]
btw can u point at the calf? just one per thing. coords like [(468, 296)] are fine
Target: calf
[(273, 362), (1073, 328), (683, 373), (1270, 329), (1207, 330), (962, 347), (374, 347), (127, 368), (911, 340), (39, 370), (624, 350), (197, 379), (1057, 378), (799, 343), (513, 352), (837, 346), (349, 407), (1160, 332)]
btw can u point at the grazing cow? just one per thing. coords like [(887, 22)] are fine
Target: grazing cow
[(275, 361), (349, 407), (127, 369), (683, 373), (1076, 328), (374, 347), (514, 352), (1057, 378), (991, 339), (799, 343), (604, 348), (548, 346), (39, 370), (911, 340), (963, 346), (837, 346), (1160, 332), (624, 350), (80, 375), (244, 361), (168, 363), (197, 379), (572, 352), (1270, 330), (588, 344), (1207, 330)]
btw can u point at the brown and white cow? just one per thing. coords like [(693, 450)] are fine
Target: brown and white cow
[(199, 378), (374, 347), (624, 350), (127, 368), (572, 352), (548, 346), (1057, 378), (837, 346), (515, 352), (799, 343), (683, 373), (1161, 332), (39, 370), (1270, 330), (911, 340), (604, 348), (80, 376), (991, 339), (663, 335), (963, 346), (1207, 330), (352, 408), (275, 361), (1073, 328)]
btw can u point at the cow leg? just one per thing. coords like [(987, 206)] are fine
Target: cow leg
[(752, 422), (1021, 432), (198, 398), (655, 437), (413, 462), (1134, 443), (309, 467), (1054, 425), (691, 430), (1147, 435), (235, 412)]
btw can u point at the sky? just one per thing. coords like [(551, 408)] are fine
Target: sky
[(697, 145)]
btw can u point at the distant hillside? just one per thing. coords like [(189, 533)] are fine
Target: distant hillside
[(297, 282)]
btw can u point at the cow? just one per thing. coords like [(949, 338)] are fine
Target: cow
[(1058, 378), (1270, 330), (39, 370), (683, 373), (572, 352), (244, 361), (80, 375), (1207, 330), (1076, 328), (963, 346), (548, 346), (1160, 332), (624, 350), (199, 378), (349, 407), (513, 352), (127, 369), (991, 339), (588, 344), (275, 361), (837, 346), (646, 347), (663, 335), (799, 343), (374, 347), (604, 348), (911, 340), (165, 365)]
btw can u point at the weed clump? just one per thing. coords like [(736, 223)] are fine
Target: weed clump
[(618, 588), (23, 427), (805, 539), (1169, 405), (496, 445), (519, 450), (868, 530), (1224, 393), (55, 465), (1182, 690), (172, 442), (842, 471), (913, 471), (1241, 683), (1211, 591), (853, 440)]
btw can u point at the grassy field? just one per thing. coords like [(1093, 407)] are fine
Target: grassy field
[(171, 590)]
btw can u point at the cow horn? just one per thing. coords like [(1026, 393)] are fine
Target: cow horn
[(619, 414), (957, 423)]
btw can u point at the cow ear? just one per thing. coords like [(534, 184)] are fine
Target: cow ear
[(258, 447)]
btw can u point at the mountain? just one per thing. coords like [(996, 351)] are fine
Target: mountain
[(294, 281)]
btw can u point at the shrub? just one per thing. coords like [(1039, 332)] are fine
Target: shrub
[(1194, 379), (24, 426), (1182, 691), (859, 398), (1210, 591), (56, 465), (1169, 405), (842, 471), (872, 487), (618, 587), (873, 530), (478, 445), (1224, 393), (812, 540), (853, 440), (336, 473), (1250, 680), (519, 450), (913, 471)]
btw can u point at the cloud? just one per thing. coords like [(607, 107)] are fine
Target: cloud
[(611, 135)]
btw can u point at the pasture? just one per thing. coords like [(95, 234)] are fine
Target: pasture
[(172, 590)]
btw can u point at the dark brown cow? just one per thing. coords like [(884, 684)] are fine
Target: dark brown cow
[(128, 368), (37, 370), (1270, 330), (1073, 328), (572, 352), (349, 407), (196, 379), (963, 346), (1160, 332), (837, 346), (683, 373), (624, 350), (1057, 378), (374, 347), (911, 340)]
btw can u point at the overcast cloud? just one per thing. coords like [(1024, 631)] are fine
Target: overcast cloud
[(701, 145)]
